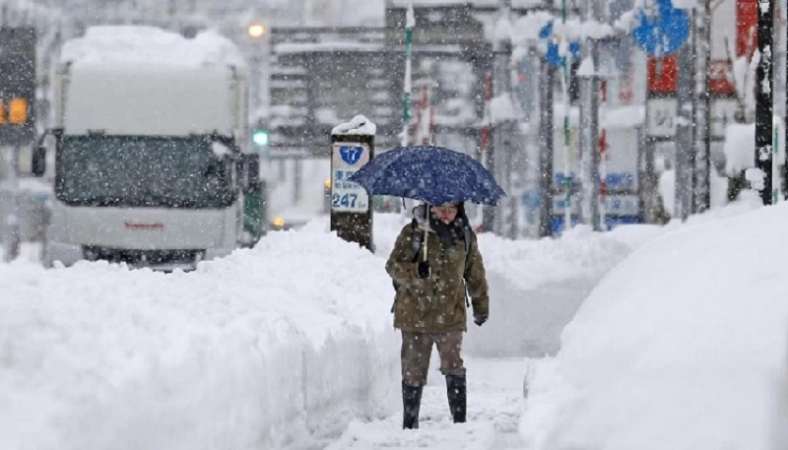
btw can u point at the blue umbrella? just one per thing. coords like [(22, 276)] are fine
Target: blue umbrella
[(435, 175)]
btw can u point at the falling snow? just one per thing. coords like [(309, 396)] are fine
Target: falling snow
[(180, 276)]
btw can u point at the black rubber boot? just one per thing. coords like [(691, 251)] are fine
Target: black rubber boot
[(411, 402), (457, 391)]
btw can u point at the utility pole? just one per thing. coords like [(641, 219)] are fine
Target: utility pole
[(763, 103), (546, 79), (486, 148), (702, 107), (504, 123), (9, 188), (684, 134), (589, 123)]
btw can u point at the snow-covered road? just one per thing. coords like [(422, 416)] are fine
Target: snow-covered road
[(495, 400)]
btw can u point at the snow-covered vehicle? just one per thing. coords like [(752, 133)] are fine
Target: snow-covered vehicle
[(152, 166)]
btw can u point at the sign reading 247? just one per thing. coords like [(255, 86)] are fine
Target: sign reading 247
[(346, 196)]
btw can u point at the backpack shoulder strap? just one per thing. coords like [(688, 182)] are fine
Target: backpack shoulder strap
[(466, 234), (467, 237)]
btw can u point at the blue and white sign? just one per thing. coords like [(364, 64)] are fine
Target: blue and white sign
[(346, 159), (553, 56), (662, 29), (622, 205), (351, 154)]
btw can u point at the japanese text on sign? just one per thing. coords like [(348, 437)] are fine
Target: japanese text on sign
[(346, 159), (661, 114)]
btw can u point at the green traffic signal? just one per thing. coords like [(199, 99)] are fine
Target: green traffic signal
[(260, 138)]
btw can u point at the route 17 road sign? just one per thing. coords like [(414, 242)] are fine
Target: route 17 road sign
[(347, 158)]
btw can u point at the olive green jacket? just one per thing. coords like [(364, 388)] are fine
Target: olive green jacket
[(436, 304)]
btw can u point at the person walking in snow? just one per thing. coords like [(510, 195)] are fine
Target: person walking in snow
[(435, 266)]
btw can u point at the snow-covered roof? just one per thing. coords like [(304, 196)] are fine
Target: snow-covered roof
[(132, 45), (151, 99)]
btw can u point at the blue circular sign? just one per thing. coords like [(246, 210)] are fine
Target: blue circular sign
[(662, 29)]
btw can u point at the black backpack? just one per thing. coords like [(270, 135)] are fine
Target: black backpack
[(416, 242)]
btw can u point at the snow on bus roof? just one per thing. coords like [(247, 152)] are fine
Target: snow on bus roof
[(125, 44)]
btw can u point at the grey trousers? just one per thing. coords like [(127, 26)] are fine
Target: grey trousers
[(416, 350)]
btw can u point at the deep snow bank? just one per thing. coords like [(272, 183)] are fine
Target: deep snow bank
[(537, 286), (257, 350), (682, 346)]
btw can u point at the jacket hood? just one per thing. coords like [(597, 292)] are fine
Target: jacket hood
[(421, 215)]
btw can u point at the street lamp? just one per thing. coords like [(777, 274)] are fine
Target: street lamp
[(256, 30)]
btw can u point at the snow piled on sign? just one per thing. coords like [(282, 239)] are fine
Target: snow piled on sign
[(739, 147), (359, 125), (586, 68), (132, 45), (667, 190), (502, 108), (682, 346), (527, 28)]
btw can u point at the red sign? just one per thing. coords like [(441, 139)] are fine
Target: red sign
[(721, 78), (662, 74), (156, 226), (747, 27)]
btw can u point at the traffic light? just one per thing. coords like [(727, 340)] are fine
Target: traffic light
[(260, 137), (17, 111)]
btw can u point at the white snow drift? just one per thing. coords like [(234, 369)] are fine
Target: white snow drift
[(682, 346)]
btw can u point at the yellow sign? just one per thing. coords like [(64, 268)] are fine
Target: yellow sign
[(2, 112), (17, 111)]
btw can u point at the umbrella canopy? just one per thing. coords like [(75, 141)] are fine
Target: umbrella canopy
[(436, 175)]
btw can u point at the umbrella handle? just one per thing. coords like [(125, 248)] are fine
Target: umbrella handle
[(426, 230)]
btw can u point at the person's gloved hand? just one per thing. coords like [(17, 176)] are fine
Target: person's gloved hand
[(424, 269), (479, 320)]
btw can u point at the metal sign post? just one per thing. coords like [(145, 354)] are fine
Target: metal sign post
[(351, 207), (661, 31), (546, 77), (590, 90), (763, 105), (685, 136)]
